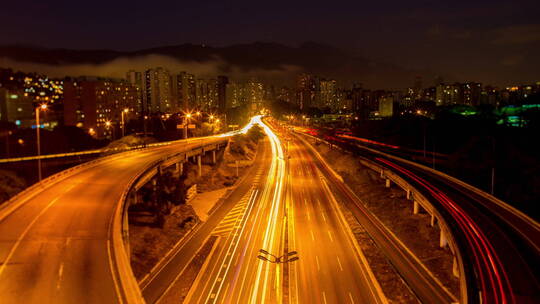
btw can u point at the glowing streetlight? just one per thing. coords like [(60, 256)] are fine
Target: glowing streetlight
[(125, 111), (108, 124), (186, 121), (42, 107)]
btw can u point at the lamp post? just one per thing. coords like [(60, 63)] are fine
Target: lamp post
[(108, 125), (123, 123), (42, 107), (186, 121)]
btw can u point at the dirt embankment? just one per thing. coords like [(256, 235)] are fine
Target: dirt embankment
[(391, 206), (10, 185), (161, 218)]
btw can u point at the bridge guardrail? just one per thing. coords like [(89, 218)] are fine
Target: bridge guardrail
[(425, 203)]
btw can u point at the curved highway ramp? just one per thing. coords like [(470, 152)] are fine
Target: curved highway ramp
[(60, 242)]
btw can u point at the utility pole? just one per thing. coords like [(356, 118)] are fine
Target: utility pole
[(186, 122), (38, 140), (123, 122)]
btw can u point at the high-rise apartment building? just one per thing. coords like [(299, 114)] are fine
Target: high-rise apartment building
[(236, 94), (97, 104), (447, 94), (328, 95), (222, 82), (285, 94), (255, 91), (158, 97), (184, 91), (386, 106), (470, 93), (16, 107), (308, 90), (137, 80), (207, 94)]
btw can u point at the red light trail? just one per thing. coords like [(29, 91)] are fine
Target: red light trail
[(487, 260)]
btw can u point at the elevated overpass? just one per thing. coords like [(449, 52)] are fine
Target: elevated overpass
[(61, 240)]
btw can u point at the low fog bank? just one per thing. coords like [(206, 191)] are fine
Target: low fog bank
[(117, 68)]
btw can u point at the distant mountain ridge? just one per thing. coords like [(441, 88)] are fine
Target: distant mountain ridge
[(311, 57)]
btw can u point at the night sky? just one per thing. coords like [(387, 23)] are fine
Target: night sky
[(490, 41)]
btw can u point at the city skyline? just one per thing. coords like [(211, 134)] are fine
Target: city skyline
[(248, 60)]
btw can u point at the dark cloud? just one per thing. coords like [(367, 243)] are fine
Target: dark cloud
[(117, 68), (469, 39), (517, 34)]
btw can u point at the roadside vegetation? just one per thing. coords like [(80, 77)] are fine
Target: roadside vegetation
[(391, 207), (162, 216)]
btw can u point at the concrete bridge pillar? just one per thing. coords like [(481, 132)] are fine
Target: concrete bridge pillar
[(213, 157), (199, 165), (409, 194), (432, 220), (179, 169), (416, 207), (442, 240), (455, 268), (387, 183)]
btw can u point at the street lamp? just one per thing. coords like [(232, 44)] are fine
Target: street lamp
[(108, 125), (42, 107), (186, 120), (285, 258), (123, 123)]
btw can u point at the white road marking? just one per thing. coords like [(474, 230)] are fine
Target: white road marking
[(318, 265), (324, 297), (330, 235), (69, 188), (60, 273), (323, 217), (339, 263), (312, 235), (350, 297), (23, 235), (308, 217)]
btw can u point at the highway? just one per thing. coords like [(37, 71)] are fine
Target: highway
[(499, 245), (234, 274), (156, 286), (292, 210), (56, 247), (330, 269)]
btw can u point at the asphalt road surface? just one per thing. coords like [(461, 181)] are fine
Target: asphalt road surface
[(55, 248), (291, 210), (329, 269)]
